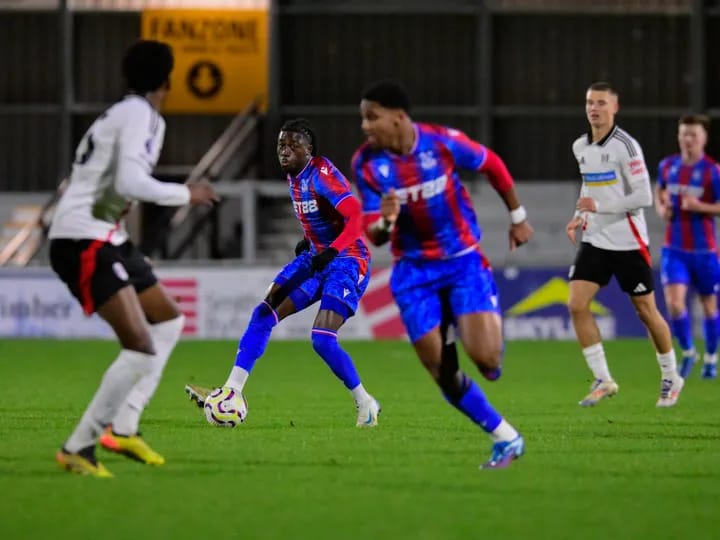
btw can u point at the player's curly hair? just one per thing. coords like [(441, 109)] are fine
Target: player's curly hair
[(389, 94), (146, 65), (302, 126)]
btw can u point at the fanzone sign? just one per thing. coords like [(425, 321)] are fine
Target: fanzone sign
[(221, 57)]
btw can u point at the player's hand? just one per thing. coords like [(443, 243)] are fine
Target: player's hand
[(322, 259), (302, 246), (690, 203), (390, 206), (520, 234), (571, 228), (586, 204), (203, 194), (665, 212)]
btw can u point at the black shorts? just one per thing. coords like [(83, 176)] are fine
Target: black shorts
[(95, 270), (632, 269)]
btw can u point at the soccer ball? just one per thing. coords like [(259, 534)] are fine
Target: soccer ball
[(225, 407)]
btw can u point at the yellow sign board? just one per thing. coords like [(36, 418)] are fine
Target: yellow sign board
[(221, 57)]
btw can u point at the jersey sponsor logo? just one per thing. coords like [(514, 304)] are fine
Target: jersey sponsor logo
[(606, 178), (305, 207), (424, 190), (637, 166), (543, 314)]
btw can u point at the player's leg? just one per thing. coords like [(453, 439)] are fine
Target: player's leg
[(710, 331), (675, 277), (95, 274), (342, 288), (472, 302), (589, 272), (634, 274), (427, 316), (267, 315), (165, 326), (706, 280)]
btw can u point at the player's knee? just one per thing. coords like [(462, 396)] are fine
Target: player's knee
[(489, 357), (675, 307), (646, 313), (323, 343), (264, 316), (578, 306)]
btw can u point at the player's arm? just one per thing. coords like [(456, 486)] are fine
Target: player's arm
[(472, 155), (662, 197), (133, 178), (578, 220), (377, 227), (693, 204)]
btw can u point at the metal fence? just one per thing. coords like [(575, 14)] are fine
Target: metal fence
[(511, 73)]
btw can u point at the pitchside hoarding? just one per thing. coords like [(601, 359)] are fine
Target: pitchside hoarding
[(217, 304)]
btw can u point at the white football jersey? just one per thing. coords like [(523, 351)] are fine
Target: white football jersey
[(615, 176), (112, 169)]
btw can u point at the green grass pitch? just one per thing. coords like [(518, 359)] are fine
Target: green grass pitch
[(299, 468)]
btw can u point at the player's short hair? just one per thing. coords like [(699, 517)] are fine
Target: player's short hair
[(302, 126), (389, 94), (695, 120), (146, 65), (603, 86)]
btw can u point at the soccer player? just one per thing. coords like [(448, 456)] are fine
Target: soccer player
[(332, 259), (90, 251), (615, 188), (687, 196), (407, 176)]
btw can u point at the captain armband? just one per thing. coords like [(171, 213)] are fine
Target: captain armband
[(518, 215)]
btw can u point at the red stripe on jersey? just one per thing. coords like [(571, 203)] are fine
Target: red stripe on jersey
[(687, 240), (88, 263), (644, 251), (708, 221)]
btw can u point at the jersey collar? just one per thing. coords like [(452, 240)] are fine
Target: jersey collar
[(605, 139)]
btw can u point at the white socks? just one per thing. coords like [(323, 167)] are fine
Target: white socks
[(596, 361), (115, 386), (504, 432), (360, 394), (165, 336), (236, 380), (668, 365), (710, 358)]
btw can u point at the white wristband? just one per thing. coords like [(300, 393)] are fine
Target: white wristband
[(518, 215)]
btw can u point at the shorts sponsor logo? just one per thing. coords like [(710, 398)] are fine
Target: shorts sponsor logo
[(120, 271)]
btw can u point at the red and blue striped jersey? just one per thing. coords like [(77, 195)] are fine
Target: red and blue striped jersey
[(437, 219), (690, 231), (316, 192)]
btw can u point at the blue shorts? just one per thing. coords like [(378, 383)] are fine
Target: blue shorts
[(340, 285), (701, 270), (417, 286)]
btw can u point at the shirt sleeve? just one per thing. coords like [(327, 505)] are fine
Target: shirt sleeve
[(716, 183), (135, 164), (634, 170), (331, 184), (370, 195), (468, 154), (661, 180)]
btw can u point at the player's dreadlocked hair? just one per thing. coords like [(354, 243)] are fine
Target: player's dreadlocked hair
[(147, 65), (389, 94), (302, 126)]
